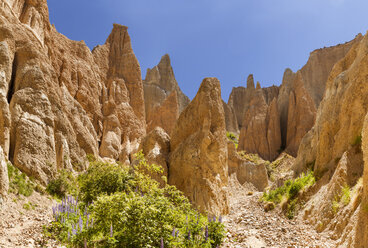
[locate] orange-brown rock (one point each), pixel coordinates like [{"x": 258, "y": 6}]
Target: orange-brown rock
[
  {"x": 300, "y": 91},
  {"x": 164, "y": 115},
  {"x": 156, "y": 148},
  {"x": 59, "y": 100},
  {"x": 260, "y": 131},
  {"x": 159, "y": 85},
  {"x": 230, "y": 119},
  {"x": 247, "y": 171},
  {"x": 4, "y": 179},
  {"x": 334, "y": 146},
  {"x": 301, "y": 115},
  {"x": 199, "y": 158}
]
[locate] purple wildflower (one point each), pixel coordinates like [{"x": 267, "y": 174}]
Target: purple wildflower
[
  {"x": 214, "y": 218},
  {"x": 206, "y": 233},
  {"x": 80, "y": 223},
  {"x": 189, "y": 235},
  {"x": 177, "y": 233},
  {"x": 111, "y": 232},
  {"x": 173, "y": 232},
  {"x": 220, "y": 219},
  {"x": 162, "y": 243}
]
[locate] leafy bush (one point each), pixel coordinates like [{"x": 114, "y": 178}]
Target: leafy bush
[
  {"x": 62, "y": 185},
  {"x": 121, "y": 206},
  {"x": 342, "y": 198},
  {"x": 255, "y": 158},
  {"x": 19, "y": 183},
  {"x": 289, "y": 192},
  {"x": 233, "y": 138}
]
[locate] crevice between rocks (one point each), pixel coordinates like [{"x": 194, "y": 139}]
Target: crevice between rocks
[{"x": 12, "y": 80}]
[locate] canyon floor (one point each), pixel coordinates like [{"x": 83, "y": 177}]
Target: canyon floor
[{"x": 248, "y": 225}]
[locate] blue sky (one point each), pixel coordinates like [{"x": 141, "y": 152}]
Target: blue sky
[{"x": 227, "y": 39}]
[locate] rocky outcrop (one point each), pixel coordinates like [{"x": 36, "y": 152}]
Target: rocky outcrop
[
  {"x": 164, "y": 115},
  {"x": 4, "y": 179},
  {"x": 302, "y": 92},
  {"x": 156, "y": 148},
  {"x": 247, "y": 171},
  {"x": 58, "y": 100},
  {"x": 333, "y": 148},
  {"x": 199, "y": 158},
  {"x": 361, "y": 240},
  {"x": 160, "y": 83},
  {"x": 301, "y": 115},
  {"x": 260, "y": 131},
  {"x": 230, "y": 118}
]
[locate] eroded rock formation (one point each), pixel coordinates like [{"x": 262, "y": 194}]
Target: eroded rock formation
[
  {"x": 260, "y": 131},
  {"x": 156, "y": 148},
  {"x": 60, "y": 101},
  {"x": 199, "y": 156},
  {"x": 164, "y": 100},
  {"x": 333, "y": 147}
]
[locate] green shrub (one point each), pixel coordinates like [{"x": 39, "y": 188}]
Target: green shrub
[
  {"x": 357, "y": 140},
  {"x": 345, "y": 195},
  {"x": 129, "y": 209},
  {"x": 104, "y": 178},
  {"x": 19, "y": 183},
  {"x": 62, "y": 185},
  {"x": 233, "y": 138},
  {"x": 290, "y": 191}
]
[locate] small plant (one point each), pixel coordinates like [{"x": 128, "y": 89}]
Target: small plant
[
  {"x": 357, "y": 140},
  {"x": 289, "y": 193},
  {"x": 342, "y": 198},
  {"x": 252, "y": 157},
  {"x": 345, "y": 195},
  {"x": 29, "y": 206},
  {"x": 233, "y": 138},
  {"x": 62, "y": 185},
  {"x": 19, "y": 183}
]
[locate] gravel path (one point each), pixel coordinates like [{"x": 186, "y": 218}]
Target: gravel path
[
  {"x": 22, "y": 220},
  {"x": 249, "y": 225}
]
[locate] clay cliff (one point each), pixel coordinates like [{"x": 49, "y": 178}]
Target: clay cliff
[
  {"x": 59, "y": 100},
  {"x": 163, "y": 99},
  {"x": 336, "y": 151},
  {"x": 199, "y": 155},
  {"x": 297, "y": 99}
]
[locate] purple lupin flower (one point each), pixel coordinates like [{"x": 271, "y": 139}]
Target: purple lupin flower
[
  {"x": 111, "y": 231},
  {"x": 87, "y": 221},
  {"x": 206, "y": 233},
  {"x": 214, "y": 218},
  {"x": 177, "y": 233},
  {"x": 173, "y": 232},
  {"x": 189, "y": 235},
  {"x": 162, "y": 243},
  {"x": 80, "y": 223}
]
